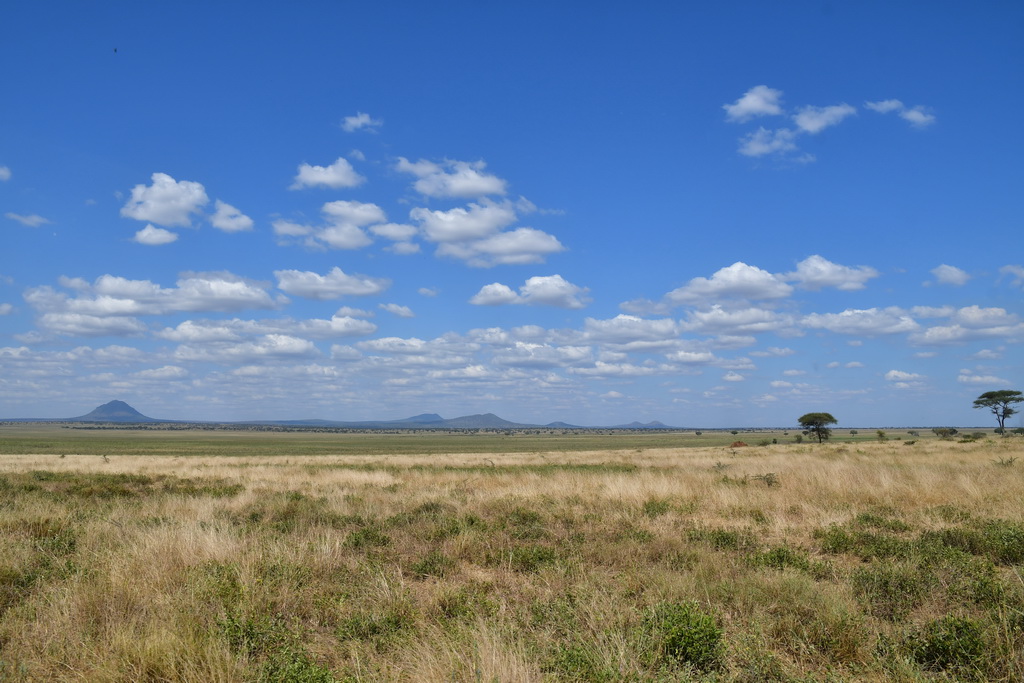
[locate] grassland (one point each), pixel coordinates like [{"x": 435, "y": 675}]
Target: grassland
[{"x": 226, "y": 556}]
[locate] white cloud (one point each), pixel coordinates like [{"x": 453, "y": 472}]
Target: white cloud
[
  {"x": 229, "y": 219},
  {"x": 950, "y": 275},
  {"x": 154, "y": 237},
  {"x": 813, "y": 120},
  {"x": 32, "y": 220},
  {"x": 738, "y": 281},
  {"x": 5, "y": 173},
  {"x": 529, "y": 355},
  {"x": 917, "y": 116},
  {"x": 815, "y": 272},
  {"x": 973, "y": 323},
  {"x": 461, "y": 179},
  {"x": 773, "y": 352},
  {"x": 854, "y": 364},
  {"x": 361, "y": 121},
  {"x": 901, "y": 376},
  {"x": 758, "y": 101},
  {"x": 625, "y": 329},
  {"x": 969, "y": 377},
  {"x": 352, "y": 212},
  {"x": 546, "y": 290},
  {"x": 267, "y": 348},
  {"x": 868, "y": 322},
  {"x": 283, "y": 228},
  {"x": 86, "y": 325},
  {"x": 337, "y": 175},
  {"x": 166, "y": 202},
  {"x": 6, "y": 309},
  {"x": 752, "y": 320},
  {"x": 1014, "y": 271},
  {"x": 397, "y": 232},
  {"x": 764, "y": 141},
  {"x": 461, "y": 224},
  {"x": 399, "y": 310},
  {"x": 884, "y": 106},
  {"x": 515, "y": 247},
  {"x": 334, "y": 285},
  {"x": 733, "y": 377},
  {"x": 111, "y": 296}
]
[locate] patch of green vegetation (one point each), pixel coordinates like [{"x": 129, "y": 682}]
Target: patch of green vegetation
[
  {"x": 682, "y": 634},
  {"x": 724, "y": 539},
  {"x": 267, "y": 639},
  {"x": 890, "y": 591},
  {"x": 952, "y": 644}
]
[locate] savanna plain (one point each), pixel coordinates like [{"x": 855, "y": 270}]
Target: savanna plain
[{"x": 201, "y": 555}]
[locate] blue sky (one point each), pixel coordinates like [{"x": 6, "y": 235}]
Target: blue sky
[{"x": 714, "y": 214}]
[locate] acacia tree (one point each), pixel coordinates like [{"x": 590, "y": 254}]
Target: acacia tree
[
  {"x": 818, "y": 423},
  {"x": 1000, "y": 402}
]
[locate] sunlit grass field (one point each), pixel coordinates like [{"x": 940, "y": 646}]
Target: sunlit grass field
[{"x": 246, "y": 556}]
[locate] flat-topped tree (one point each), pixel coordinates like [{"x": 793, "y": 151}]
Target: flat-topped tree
[
  {"x": 1000, "y": 402},
  {"x": 818, "y": 423}
]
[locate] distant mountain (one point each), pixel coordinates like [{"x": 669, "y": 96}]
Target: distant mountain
[
  {"x": 115, "y": 411},
  {"x": 638, "y": 425},
  {"x": 119, "y": 411}
]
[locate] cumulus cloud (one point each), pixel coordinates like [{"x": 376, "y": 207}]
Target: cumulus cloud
[
  {"x": 361, "y": 121},
  {"x": 229, "y": 219},
  {"x": 950, "y": 275},
  {"x": 337, "y": 175},
  {"x": 545, "y": 290},
  {"x": 5, "y": 173},
  {"x": 334, "y": 285},
  {"x": 973, "y": 323},
  {"x": 1015, "y": 272},
  {"x": 6, "y": 309},
  {"x": 343, "y": 229},
  {"x": 918, "y": 116},
  {"x": 758, "y": 101},
  {"x": 751, "y": 320},
  {"x": 267, "y": 348},
  {"x": 625, "y": 329},
  {"x": 738, "y": 281},
  {"x": 733, "y": 377},
  {"x": 87, "y": 325},
  {"x": 901, "y": 376},
  {"x": 153, "y": 237},
  {"x": 460, "y": 224},
  {"x": 815, "y": 272},
  {"x": 398, "y": 309},
  {"x": 111, "y": 296},
  {"x": 867, "y": 322},
  {"x": 967, "y": 376},
  {"x": 31, "y": 220},
  {"x": 773, "y": 352},
  {"x": 813, "y": 120},
  {"x": 763, "y": 141},
  {"x": 515, "y": 247},
  {"x": 531, "y": 355},
  {"x": 452, "y": 178},
  {"x": 166, "y": 201}
]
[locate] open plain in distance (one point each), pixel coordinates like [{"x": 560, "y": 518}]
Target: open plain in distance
[{"x": 202, "y": 555}]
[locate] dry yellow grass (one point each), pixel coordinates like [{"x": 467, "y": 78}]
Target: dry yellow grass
[{"x": 509, "y": 566}]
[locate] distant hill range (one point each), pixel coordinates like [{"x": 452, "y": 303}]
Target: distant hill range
[{"x": 121, "y": 412}]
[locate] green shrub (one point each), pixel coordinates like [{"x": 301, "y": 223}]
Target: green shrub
[
  {"x": 655, "y": 507},
  {"x": 951, "y": 643},
  {"x": 435, "y": 564},
  {"x": 683, "y": 634},
  {"x": 890, "y": 591}
]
